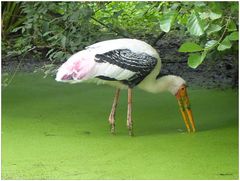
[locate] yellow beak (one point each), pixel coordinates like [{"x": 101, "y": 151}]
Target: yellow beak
[{"x": 185, "y": 108}]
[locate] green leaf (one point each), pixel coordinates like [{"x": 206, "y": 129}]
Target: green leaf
[
  {"x": 204, "y": 15},
  {"x": 16, "y": 29},
  {"x": 50, "y": 51},
  {"x": 195, "y": 59},
  {"x": 213, "y": 28},
  {"x": 86, "y": 12},
  {"x": 225, "y": 44},
  {"x": 206, "y": 27},
  {"x": 190, "y": 47},
  {"x": 183, "y": 19},
  {"x": 58, "y": 55},
  {"x": 216, "y": 7},
  {"x": 175, "y": 6},
  {"x": 195, "y": 25},
  {"x": 63, "y": 41},
  {"x": 210, "y": 44},
  {"x": 140, "y": 5},
  {"x": 232, "y": 26},
  {"x": 45, "y": 26},
  {"x": 199, "y": 4},
  {"x": 118, "y": 13},
  {"x": 47, "y": 33},
  {"x": 233, "y": 36},
  {"x": 74, "y": 16},
  {"x": 214, "y": 16},
  {"x": 166, "y": 20}
]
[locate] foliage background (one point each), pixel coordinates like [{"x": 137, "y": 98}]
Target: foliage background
[{"x": 55, "y": 30}]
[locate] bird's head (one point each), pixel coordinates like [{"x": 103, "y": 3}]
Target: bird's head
[{"x": 177, "y": 86}]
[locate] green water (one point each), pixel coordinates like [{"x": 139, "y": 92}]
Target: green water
[{"x": 52, "y": 130}]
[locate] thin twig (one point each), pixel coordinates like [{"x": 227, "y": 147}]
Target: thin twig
[
  {"x": 228, "y": 20},
  {"x": 159, "y": 37},
  {"x": 103, "y": 24}
]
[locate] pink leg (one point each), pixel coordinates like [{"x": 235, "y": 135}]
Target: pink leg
[
  {"x": 129, "y": 113},
  {"x": 111, "y": 118}
]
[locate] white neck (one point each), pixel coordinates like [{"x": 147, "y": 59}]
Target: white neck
[{"x": 169, "y": 83}]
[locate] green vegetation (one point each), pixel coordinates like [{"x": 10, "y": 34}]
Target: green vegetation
[
  {"x": 55, "y": 30},
  {"x": 60, "y": 131}
]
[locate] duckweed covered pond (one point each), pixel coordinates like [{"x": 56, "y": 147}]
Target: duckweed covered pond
[{"x": 52, "y": 130}]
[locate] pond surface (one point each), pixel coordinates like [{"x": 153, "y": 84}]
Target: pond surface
[{"x": 53, "y": 130}]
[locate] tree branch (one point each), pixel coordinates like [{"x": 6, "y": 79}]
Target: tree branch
[
  {"x": 115, "y": 31},
  {"x": 158, "y": 38}
]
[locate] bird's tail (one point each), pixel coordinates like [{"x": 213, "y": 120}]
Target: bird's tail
[{"x": 76, "y": 68}]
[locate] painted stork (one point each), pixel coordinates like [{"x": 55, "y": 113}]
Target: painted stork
[{"x": 125, "y": 64}]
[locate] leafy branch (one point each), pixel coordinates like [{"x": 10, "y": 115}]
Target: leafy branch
[{"x": 223, "y": 43}]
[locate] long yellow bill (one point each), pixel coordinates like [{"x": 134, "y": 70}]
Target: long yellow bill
[{"x": 185, "y": 109}]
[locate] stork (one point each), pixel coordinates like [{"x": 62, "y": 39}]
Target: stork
[{"x": 125, "y": 64}]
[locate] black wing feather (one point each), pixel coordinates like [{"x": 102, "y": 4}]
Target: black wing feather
[{"x": 141, "y": 63}]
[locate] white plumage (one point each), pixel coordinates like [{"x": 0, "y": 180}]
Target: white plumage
[
  {"x": 91, "y": 69},
  {"x": 123, "y": 63}
]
